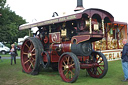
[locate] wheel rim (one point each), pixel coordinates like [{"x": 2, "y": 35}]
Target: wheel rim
[
  {"x": 28, "y": 57},
  {"x": 100, "y": 65},
  {"x": 68, "y": 69}
]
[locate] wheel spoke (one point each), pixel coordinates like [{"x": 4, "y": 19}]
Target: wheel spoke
[
  {"x": 32, "y": 50},
  {"x": 26, "y": 61},
  {"x": 97, "y": 71},
  {"x": 100, "y": 69},
  {"x": 29, "y": 66},
  {"x": 27, "y": 46},
  {"x": 25, "y": 53},
  {"x": 66, "y": 73},
  {"x": 72, "y": 73},
  {"x": 30, "y": 47},
  {"x": 33, "y": 59},
  {"x": 97, "y": 59},
  {"x": 33, "y": 54},
  {"x": 101, "y": 65},
  {"x": 67, "y": 61},
  {"x": 101, "y": 61},
  {"x": 64, "y": 63},
  {"x": 32, "y": 63},
  {"x": 72, "y": 65}
]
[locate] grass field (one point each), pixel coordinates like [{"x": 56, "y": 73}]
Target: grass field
[{"x": 13, "y": 75}]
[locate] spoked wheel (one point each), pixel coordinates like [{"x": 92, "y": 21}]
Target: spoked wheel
[
  {"x": 30, "y": 56},
  {"x": 45, "y": 64},
  {"x": 69, "y": 67},
  {"x": 100, "y": 65}
]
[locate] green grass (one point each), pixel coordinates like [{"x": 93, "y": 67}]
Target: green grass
[
  {"x": 13, "y": 75},
  {"x": 8, "y": 55}
]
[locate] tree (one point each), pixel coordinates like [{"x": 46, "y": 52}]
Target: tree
[
  {"x": 9, "y": 24},
  {"x": 2, "y": 3}
]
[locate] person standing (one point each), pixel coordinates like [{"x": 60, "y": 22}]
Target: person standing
[
  {"x": 15, "y": 50},
  {"x": 13, "y": 54},
  {"x": 124, "y": 58}
]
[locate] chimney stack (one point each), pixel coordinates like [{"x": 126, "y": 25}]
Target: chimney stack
[{"x": 79, "y": 5}]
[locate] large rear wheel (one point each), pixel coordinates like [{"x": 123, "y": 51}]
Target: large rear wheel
[
  {"x": 100, "y": 65},
  {"x": 30, "y": 56},
  {"x": 69, "y": 67}
]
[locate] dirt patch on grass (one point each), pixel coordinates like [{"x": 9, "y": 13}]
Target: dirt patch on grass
[{"x": 18, "y": 82}]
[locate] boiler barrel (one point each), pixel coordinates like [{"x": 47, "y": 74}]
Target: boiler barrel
[
  {"x": 63, "y": 47},
  {"x": 81, "y": 49}
]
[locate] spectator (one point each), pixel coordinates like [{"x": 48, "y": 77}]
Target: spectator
[
  {"x": 124, "y": 58},
  {"x": 13, "y": 54},
  {"x": 15, "y": 50}
]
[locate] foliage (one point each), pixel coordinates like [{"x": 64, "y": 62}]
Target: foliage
[
  {"x": 9, "y": 24},
  {"x": 2, "y": 3}
]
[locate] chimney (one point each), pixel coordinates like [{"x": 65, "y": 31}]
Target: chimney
[{"x": 79, "y": 5}]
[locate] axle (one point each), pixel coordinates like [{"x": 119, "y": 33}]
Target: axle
[{"x": 89, "y": 65}]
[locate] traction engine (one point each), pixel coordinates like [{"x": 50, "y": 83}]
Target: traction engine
[{"x": 65, "y": 44}]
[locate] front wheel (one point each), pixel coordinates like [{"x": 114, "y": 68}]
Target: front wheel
[{"x": 69, "y": 67}]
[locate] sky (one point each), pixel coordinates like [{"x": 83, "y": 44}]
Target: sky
[{"x": 39, "y": 10}]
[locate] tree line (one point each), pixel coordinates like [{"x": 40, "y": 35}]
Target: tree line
[{"x": 9, "y": 24}]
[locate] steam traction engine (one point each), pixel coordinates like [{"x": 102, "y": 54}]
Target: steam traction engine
[{"x": 65, "y": 44}]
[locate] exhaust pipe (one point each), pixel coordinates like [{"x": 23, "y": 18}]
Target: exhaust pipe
[{"x": 79, "y": 5}]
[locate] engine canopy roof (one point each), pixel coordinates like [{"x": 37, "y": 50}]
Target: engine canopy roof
[{"x": 90, "y": 12}]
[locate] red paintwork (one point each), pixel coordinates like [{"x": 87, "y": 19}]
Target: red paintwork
[
  {"x": 57, "y": 47},
  {"x": 80, "y": 38},
  {"x": 54, "y": 57},
  {"x": 63, "y": 47},
  {"x": 66, "y": 46},
  {"x": 46, "y": 39},
  {"x": 54, "y": 37}
]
